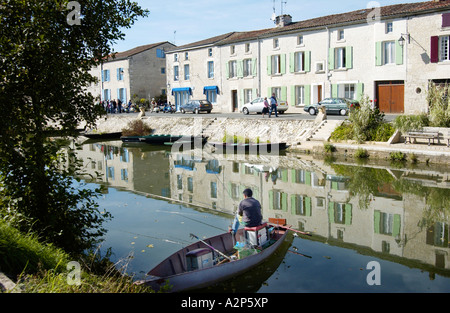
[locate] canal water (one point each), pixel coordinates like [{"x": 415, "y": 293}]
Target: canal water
[{"x": 375, "y": 228}]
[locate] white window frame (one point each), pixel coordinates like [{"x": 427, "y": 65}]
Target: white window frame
[
  {"x": 232, "y": 69},
  {"x": 389, "y": 27},
  {"x": 300, "y": 40},
  {"x": 248, "y": 94},
  {"x": 247, "y": 67},
  {"x": 276, "y": 64},
  {"x": 276, "y": 43},
  {"x": 175, "y": 57},
  {"x": 339, "y": 58},
  {"x": 388, "y": 52},
  {"x": 340, "y": 35},
  {"x": 233, "y": 50},
  {"x": 300, "y": 95},
  {"x": 247, "y": 48},
  {"x": 187, "y": 72},
  {"x": 299, "y": 61},
  {"x": 176, "y": 73},
  {"x": 210, "y": 52}
]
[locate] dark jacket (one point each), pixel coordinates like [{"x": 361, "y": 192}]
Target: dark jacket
[{"x": 250, "y": 209}]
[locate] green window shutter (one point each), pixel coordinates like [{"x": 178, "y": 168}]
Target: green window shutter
[
  {"x": 227, "y": 69},
  {"x": 269, "y": 65},
  {"x": 376, "y": 221},
  {"x": 348, "y": 214},
  {"x": 334, "y": 185},
  {"x": 284, "y": 205},
  {"x": 283, "y": 93},
  {"x": 396, "y": 228},
  {"x": 398, "y": 53},
  {"x": 359, "y": 91},
  {"x": 283, "y": 63},
  {"x": 293, "y": 98},
  {"x": 308, "y": 178},
  {"x": 271, "y": 199},
  {"x": 240, "y": 68},
  {"x": 334, "y": 90},
  {"x": 293, "y": 204},
  {"x": 331, "y": 212},
  {"x": 241, "y": 98},
  {"x": 254, "y": 95},
  {"x": 292, "y": 62},
  {"x": 331, "y": 59},
  {"x": 269, "y": 93},
  {"x": 378, "y": 53},
  {"x": 349, "y": 57},
  {"x": 284, "y": 175},
  {"x": 255, "y": 67},
  {"x": 308, "y": 206},
  {"x": 307, "y": 94},
  {"x": 307, "y": 61}
]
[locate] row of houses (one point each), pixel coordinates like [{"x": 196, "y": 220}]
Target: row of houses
[{"x": 388, "y": 53}]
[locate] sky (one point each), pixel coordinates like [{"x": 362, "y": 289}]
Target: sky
[{"x": 186, "y": 21}]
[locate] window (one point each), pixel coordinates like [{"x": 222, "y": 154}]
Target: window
[
  {"x": 247, "y": 47},
  {"x": 186, "y": 72},
  {"x": 163, "y": 70},
  {"x": 210, "y": 52},
  {"x": 247, "y": 95},
  {"x": 211, "y": 96},
  {"x": 389, "y": 52},
  {"x": 232, "y": 50},
  {"x": 444, "y": 54},
  {"x": 190, "y": 184},
  {"x": 299, "y": 40},
  {"x": 299, "y": 61},
  {"x": 160, "y": 54},
  {"x": 175, "y": 73},
  {"x": 389, "y": 27},
  {"x": 299, "y": 96},
  {"x": 340, "y": 58},
  {"x": 186, "y": 55},
  {"x": 248, "y": 67},
  {"x": 122, "y": 94},
  {"x": 210, "y": 69},
  {"x": 179, "y": 182},
  {"x": 320, "y": 66},
  {"x": 277, "y": 92},
  {"x": 340, "y": 34},
  {"x": 446, "y": 20},
  {"x": 107, "y": 94},
  {"x": 105, "y": 75},
  {"x": 276, "y": 43},
  {"x": 120, "y": 74},
  {"x": 175, "y": 57},
  {"x": 276, "y": 64},
  {"x": 232, "y": 69}
]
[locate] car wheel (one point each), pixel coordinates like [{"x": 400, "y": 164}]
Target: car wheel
[
  {"x": 183, "y": 111},
  {"x": 312, "y": 111},
  {"x": 245, "y": 111},
  {"x": 208, "y": 111},
  {"x": 281, "y": 112},
  {"x": 196, "y": 111},
  {"x": 343, "y": 112}
]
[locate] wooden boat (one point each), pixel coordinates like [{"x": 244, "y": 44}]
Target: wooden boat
[
  {"x": 192, "y": 267},
  {"x": 248, "y": 147}
]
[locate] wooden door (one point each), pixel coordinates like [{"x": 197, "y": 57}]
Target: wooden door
[
  {"x": 319, "y": 93},
  {"x": 234, "y": 100},
  {"x": 391, "y": 98}
]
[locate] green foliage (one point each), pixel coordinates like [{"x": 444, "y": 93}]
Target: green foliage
[
  {"x": 227, "y": 138},
  {"x": 365, "y": 121},
  {"x": 406, "y": 123},
  {"x": 439, "y": 100},
  {"x": 137, "y": 128},
  {"x": 45, "y": 68},
  {"x": 361, "y": 153},
  {"x": 329, "y": 148},
  {"x": 397, "y": 156},
  {"x": 343, "y": 132},
  {"x": 383, "y": 132}
]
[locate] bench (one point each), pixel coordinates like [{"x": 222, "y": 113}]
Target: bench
[{"x": 430, "y": 135}]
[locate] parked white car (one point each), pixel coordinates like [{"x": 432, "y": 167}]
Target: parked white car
[{"x": 257, "y": 105}]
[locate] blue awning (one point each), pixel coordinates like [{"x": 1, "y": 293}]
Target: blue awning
[
  {"x": 185, "y": 89},
  {"x": 206, "y": 88}
]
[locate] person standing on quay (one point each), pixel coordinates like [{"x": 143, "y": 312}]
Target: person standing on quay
[{"x": 273, "y": 105}]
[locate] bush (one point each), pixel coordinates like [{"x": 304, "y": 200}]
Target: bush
[
  {"x": 361, "y": 153},
  {"x": 137, "y": 128},
  {"x": 365, "y": 121},
  {"x": 406, "y": 123},
  {"x": 383, "y": 132},
  {"x": 397, "y": 156},
  {"x": 439, "y": 100},
  {"x": 329, "y": 148},
  {"x": 342, "y": 132}
]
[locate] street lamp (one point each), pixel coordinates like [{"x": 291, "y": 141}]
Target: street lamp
[{"x": 402, "y": 39}]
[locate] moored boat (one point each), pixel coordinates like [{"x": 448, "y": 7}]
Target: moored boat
[
  {"x": 213, "y": 260},
  {"x": 161, "y": 139},
  {"x": 98, "y": 136},
  {"x": 248, "y": 147}
]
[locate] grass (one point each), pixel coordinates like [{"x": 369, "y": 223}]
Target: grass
[
  {"x": 43, "y": 268},
  {"x": 136, "y": 128}
]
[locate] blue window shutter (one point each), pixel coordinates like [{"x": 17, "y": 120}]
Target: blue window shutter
[
  {"x": 103, "y": 76},
  {"x": 107, "y": 75}
]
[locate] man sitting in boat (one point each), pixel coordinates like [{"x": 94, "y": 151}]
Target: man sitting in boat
[{"x": 249, "y": 212}]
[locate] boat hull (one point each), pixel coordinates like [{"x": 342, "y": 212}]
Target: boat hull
[
  {"x": 160, "y": 139},
  {"x": 196, "y": 279},
  {"x": 248, "y": 147}
]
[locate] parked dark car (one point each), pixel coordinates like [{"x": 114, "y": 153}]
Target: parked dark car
[
  {"x": 333, "y": 106},
  {"x": 196, "y": 106}
]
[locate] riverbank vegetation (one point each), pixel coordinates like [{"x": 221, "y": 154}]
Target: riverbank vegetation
[{"x": 45, "y": 70}]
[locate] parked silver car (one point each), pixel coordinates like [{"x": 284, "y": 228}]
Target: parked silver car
[
  {"x": 196, "y": 106},
  {"x": 339, "y": 106},
  {"x": 257, "y": 105}
]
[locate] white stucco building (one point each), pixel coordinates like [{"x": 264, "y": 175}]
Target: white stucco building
[
  {"x": 140, "y": 71},
  {"x": 388, "y": 53}
]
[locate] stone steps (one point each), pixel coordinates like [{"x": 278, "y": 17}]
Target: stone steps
[{"x": 323, "y": 131}]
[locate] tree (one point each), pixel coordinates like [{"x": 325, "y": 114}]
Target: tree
[{"x": 47, "y": 49}]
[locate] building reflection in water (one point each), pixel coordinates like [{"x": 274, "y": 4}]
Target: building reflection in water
[{"x": 397, "y": 214}]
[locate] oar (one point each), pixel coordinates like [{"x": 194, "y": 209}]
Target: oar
[
  {"x": 211, "y": 247},
  {"x": 294, "y": 230}
]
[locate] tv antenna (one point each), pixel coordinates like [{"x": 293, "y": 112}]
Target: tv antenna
[
  {"x": 283, "y": 2},
  {"x": 274, "y": 14}
]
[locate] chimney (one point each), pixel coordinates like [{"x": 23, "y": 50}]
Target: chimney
[{"x": 283, "y": 20}]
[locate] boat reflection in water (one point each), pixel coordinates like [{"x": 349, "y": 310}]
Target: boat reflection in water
[{"x": 391, "y": 213}]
